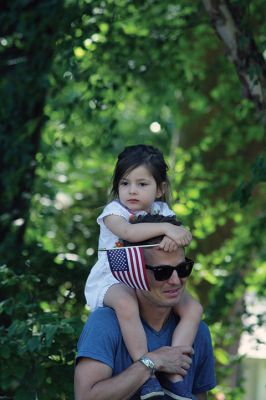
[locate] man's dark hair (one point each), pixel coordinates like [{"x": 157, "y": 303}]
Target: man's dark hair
[{"x": 151, "y": 218}]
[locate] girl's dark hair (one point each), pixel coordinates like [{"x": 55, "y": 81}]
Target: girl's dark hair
[{"x": 134, "y": 156}]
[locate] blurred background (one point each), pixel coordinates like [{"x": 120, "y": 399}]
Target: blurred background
[{"x": 82, "y": 79}]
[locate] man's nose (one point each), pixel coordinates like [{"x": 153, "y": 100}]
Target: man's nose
[{"x": 174, "y": 278}]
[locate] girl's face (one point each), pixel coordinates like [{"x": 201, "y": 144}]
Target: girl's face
[{"x": 138, "y": 189}]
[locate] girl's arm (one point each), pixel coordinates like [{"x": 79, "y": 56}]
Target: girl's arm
[
  {"x": 143, "y": 231},
  {"x": 190, "y": 312}
]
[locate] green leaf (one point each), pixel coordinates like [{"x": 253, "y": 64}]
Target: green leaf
[
  {"x": 33, "y": 344},
  {"x": 222, "y": 356}
]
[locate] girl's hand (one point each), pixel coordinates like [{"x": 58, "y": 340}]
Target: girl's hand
[
  {"x": 178, "y": 234},
  {"x": 168, "y": 244}
]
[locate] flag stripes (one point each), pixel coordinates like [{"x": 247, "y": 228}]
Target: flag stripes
[{"x": 128, "y": 267}]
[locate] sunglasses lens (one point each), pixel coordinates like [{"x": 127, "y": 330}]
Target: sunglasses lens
[
  {"x": 185, "y": 269},
  {"x": 163, "y": 274}
]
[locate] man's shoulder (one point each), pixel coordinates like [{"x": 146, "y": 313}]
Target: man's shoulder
[
  {"x": 203, "y": 331},
  {"x": 100, "y": 338},
  {"x": 203, "y": 327},
  {"x": 103, "y": 320},
  {"x": 203, "y": 341},
  {"x": 101, "y": 326},
  {"x": 103, "y": 314}
]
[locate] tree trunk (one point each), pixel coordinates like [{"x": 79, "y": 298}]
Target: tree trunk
[
  {"x": 27, "y": 59},
  {"x": 228, "y": 22}
]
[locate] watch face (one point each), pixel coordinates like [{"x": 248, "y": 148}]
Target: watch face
[{"x": 148, "y": 363}]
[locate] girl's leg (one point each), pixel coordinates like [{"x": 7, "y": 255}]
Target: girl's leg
[
  {"x": 124, "y": 301},
  {"x": 190, "y": 312}
]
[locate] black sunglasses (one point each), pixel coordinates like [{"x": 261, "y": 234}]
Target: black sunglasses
[{"x": 164, "y": 272}]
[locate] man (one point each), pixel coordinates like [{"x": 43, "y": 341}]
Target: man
[{"x": 104, "y": 369}]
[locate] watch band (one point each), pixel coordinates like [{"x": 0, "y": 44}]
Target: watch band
[{"x": 148, "y": 364}]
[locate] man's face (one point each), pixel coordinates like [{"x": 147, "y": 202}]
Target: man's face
[{"x": 164, "y": 293}]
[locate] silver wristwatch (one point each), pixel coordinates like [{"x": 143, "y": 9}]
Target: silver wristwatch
[{"x": 148, "y": 363}]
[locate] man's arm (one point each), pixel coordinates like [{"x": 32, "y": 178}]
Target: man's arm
[{"x": 94, "y": 381}]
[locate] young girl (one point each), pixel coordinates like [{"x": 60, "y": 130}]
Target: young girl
[{"x": 140, "y": 186}]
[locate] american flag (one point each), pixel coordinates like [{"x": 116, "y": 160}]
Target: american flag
[{"x": 128, "y": 267}]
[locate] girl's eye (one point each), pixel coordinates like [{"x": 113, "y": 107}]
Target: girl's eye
[
  {"x": 143, "y": 184},
  {"x": 123, "y": 183}
]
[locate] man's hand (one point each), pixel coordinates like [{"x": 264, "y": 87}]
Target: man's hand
[{"x": 172, "y": 360}]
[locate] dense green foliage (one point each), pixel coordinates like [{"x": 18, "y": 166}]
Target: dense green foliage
[{"x": 80, "y": 80}]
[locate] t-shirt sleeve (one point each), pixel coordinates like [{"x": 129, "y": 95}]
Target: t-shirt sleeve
[
  {"x": 164, "y": 209},
  {"x": 96, "y": 341},
  {"x": 205, "y": 373},
  {"x": 113, "y": 208}
]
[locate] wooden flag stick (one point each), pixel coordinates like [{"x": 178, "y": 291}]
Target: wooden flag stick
[{"x": 127, "y": 247}]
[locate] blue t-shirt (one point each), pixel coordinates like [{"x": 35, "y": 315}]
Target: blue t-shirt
[{"x": 101, "y": 340}]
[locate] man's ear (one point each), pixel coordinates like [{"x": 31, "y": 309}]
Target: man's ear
[{"x": 161, "y": 190}]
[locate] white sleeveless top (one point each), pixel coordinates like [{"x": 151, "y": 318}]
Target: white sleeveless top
[{"x": 100, "y": 277}]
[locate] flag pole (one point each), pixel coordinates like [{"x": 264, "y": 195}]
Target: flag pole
[{"x": 128, "y": 247}]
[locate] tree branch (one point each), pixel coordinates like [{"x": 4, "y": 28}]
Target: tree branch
[{"x": 242, "y": 50}]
